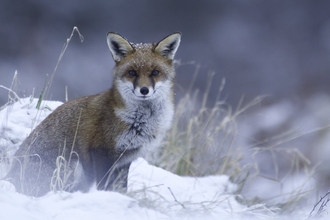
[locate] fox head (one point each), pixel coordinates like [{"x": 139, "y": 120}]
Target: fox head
[{"x": 143, "y": 71}]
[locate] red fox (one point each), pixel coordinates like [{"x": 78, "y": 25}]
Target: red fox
[{"x": 94, "y": 139}]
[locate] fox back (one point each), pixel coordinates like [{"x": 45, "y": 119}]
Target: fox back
[{"x": 94, "y": 139}]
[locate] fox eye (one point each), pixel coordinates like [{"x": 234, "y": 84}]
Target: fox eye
[
  {"x": 132, "y": 73},
  {"x": 155, "y": 72}
]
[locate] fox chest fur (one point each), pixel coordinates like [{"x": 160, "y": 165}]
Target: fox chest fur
[{"x": 146, "y": 125}]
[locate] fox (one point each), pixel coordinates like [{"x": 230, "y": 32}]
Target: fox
[{"x": 94, "y": 139}]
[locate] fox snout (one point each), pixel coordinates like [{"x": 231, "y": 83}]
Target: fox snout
[{"x": 144, "y": 92}]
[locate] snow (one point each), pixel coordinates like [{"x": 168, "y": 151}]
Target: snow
[
  {"x": 19, "y": 119},
  {"x": 153, "y": 193}
]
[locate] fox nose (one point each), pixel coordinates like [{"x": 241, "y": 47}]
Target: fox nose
[{"x": 144, "y": 90}]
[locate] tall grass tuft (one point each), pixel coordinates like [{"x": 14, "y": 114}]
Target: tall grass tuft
[
  {"x": 202, "y": 139},
  {"x": 41, "y": 104}
]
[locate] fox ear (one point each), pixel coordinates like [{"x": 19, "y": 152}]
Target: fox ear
[
  {"x": 118, "y": 46},
  {"x": 168, "y": 46}
]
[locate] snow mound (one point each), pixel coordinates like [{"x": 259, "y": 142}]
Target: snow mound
[{"x": 19, "y": 119}]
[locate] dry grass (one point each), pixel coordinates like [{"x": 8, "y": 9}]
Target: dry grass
[{"x": 202, "y": 140}]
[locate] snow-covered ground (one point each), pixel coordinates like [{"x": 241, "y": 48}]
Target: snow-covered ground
[{"x": 153, "y": 193}]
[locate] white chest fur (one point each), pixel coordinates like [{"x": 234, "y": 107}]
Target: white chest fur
[{"x": 147, "y": 122}]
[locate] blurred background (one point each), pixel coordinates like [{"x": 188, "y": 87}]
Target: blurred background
[{"x": 280, "y": 49}]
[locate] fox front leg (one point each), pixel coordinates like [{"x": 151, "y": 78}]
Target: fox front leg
[{"x": 108, "y": 175}]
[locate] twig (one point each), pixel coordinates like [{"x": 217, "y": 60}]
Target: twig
[
  {"x": 9, "y": 90},
  {"x": 322, "y": 206},
  {"x": 175, "y": 198},
  {"x": 50, "y": 80}
]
